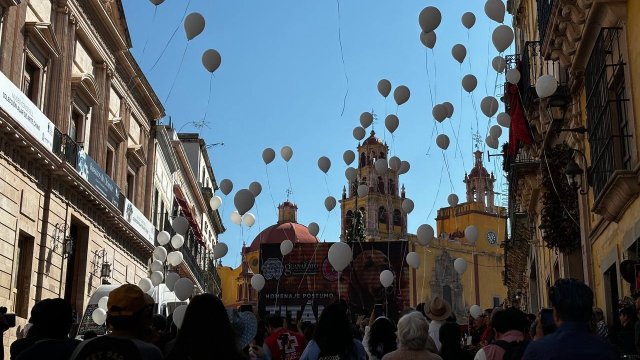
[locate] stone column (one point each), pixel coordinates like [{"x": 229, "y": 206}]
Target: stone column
[
  {"x": 99, "y": 117},
  {"x": 151, "y": 163}
]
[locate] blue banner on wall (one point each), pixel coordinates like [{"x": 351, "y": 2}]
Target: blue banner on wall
[{"x": 93, "y": 173}]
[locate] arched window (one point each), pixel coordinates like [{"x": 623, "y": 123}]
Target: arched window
[
  {"x": 354, "y": 188},
  {"x": 392, "y": 187},
  {"x": 382, "y": 216},
  {"x": 348, "y": 219},
  {"x": 380, "y": 185},
  {"x": 363, "y": 159},
  {"x": 382, "y": 155},
  {"x": 397, "y": 218}
]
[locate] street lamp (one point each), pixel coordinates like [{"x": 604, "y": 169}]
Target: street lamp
[
  {"x": 574, "y": 173},
  {"x": 68, "y": 247},
  {"x": 105, "y": 272}
]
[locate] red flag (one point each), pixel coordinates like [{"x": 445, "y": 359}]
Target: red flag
[{"x": 519, "y": 130}]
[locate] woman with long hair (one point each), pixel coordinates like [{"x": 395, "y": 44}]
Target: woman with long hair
[
  {"x": 380, "y": 338},
  {"x": 194, "y": 342},
  {"x": 451, "y": 343},
  {"x": 333, "y": 337}
]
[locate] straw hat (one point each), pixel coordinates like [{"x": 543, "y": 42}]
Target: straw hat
[{"x": 438, "y": 309}]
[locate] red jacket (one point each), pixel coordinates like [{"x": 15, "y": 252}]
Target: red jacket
[{"x": 285, "y": 344}]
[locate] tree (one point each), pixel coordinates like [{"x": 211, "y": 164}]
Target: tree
[{"x": 355, "y": 232}]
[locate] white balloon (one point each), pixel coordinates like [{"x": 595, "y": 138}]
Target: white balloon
[
  {"x": 211, "y": 60},
  {"x": 340, "y": 256},
  {"x": 395, "y": 163},
  {"x": 170, "y": 280},
  {"x": 381, "y": 166},
  {"x": 504, "y": 119},
  {"x": 163, "y": 238},
  {"x": 160, "y": 253},
  {"x": 145, "y": 284},
  {"x": 468, "y": 20},
  {"x": 175, "y": 258},
  {"x": 103, "y": 303},
  {"x": 546, "y": 86},
  {"x": 178, "y": 315},
  {"x": 489, "y": 106},
  {"x": 156, "y": 278},
  {"x": 404, "y": 167},
  {"x": 424, "y": 234},
  {"x": 386, "y": 278},
  {"x": 244, "y": 201},
  {"x": 226, "y": 186},
  {"x": 442, "y": 141},
  {"x": 366, "y": 119},
  {"x": 249, "y": 219},
  {"x": 452, "y": 199},
  {"x": 177, "y": 241},
  {"x": 401, "y": 94},
  {"x": 330, "y": 203},
  {"x": 268, "y": 155},
  {"x": 183, "y": 289},
  {"x": 156, "y": 2},
  {"x": 359, "y": 133},
  {"x": 156, "y": 265},
  {"x": 314, "y": 229},
  {"x": 351, "y": 174},
  {"x": 469, "y": 83},
  {"x": 180, "y": 224},
  {"x": 449, "y": 107},
  {"x": 459, "y": 52},
  {"x": 99, "y": 316},
  {"x": 460, "y": 265},
  {"x": 407, "y": 205},
  {"x": 220, "y": 250},
  {"x": 502, "y": 37},
  {"x": 439, "y": 112},
  {"x": 475, "y": 311},
  {"x": 363, "y": 190},
  {"x": 384, "y": 87},
  {"x": 428, "y": 39},
  {"x": 495, "y": 131},
  {"x": 348, "y": 157},
  {"x": 324, "y": 164},
  {"x": 429, "y": 18},
  {"x": 257, "y": 282},
  {"x": 513, "y": 76},
  {"x": 286, "y": 247},
  {"x": 236, "y": 218},
  {"x": 495, "y": 10},
  {"x": 499, "y": 64},
  {"x": 391, "y": 122},
  {"x": 286, "y": 152},
  {"x": 492, "y": 142},
  {"x": 413, "y": 259},
  {"x": 215, "y": 202},
  {"x": 471, "y": 234},
  {"x": 193, "y": 25}
]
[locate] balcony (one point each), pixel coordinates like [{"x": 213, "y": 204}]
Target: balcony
[
  {"x": 65, "y": 148},
  {"x": 544, "y": 14}
]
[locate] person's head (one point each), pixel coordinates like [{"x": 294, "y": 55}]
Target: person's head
[
  {"x": 382, "y": 337},
  {"x": 480, "y": 321},
  {"x": 598, "y": 314},
  {"x": 508, "y": 320},
  {"x": 126, "y": 309},
  {"x": 205, "y": 311},
  {"x": 627, "y": 315},
  {"x": 158, "y": 322},
  {"x": 450, "y": 335},
  {"x": 438, "y": 309},
  {"x": 413, "y": 331},
  {"x": 571, "y": 301},
  {"x": 52, "y": 318},
  {"x": 274, "y": 323},
  {"x": 333, "y": 331}
]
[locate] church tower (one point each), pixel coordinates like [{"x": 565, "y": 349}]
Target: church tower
[
  {"x": 381, "y": 206},
  {"x": 480, "y": 185}
]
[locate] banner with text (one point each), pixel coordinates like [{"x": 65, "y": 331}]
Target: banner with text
[
  {"x": 93, "y": 173},
  {"x": 139, "y": 222}
]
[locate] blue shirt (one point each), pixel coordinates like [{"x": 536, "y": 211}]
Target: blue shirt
[
  {"x": 571, "y": 341},
  {"x": 312, "y": 351}
]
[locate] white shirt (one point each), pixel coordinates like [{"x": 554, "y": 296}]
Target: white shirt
[
  {"x": 434, "y": 332},
  {"x": 480, "y": 355}
]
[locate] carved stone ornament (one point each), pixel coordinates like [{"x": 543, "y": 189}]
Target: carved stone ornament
[{"x": 621, "y": 189}]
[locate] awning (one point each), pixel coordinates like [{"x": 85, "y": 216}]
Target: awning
[{"x": 186, "y": 212}]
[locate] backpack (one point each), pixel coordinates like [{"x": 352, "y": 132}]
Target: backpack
[{"x": 513, "y": 350}]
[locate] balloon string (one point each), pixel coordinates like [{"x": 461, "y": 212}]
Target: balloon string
[
  {"x": 177, "y": 74},
  {"x": 435, "y": 74},
  {"x": 344, "y": 66},
  {"x": 289, "y": 177},
  {"x": 326, "y": 223},
  {"x": 146, "y": 42},
  {"x": 488, "y": 56},
  {"x": 184, "y": 15},
  {"x": 327, "y": 183},
  {"x": 426, "y": 65},
  {"x": 435, "y": 199},
  {"x": 206, "y": 109},
  {"x": 460, "y": 127}
]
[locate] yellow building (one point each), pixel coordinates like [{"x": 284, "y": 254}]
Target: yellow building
[
  {"x": 481, "y": 283},
  {"x": 591, "y": 49}
]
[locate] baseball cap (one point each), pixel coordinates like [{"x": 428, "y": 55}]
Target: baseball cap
[{"x": 126, "y": 300}]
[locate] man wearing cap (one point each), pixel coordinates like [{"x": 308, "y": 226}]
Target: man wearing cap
[
  {"x": 438, "y": 311},
  {"x": 126, "y": 310}
]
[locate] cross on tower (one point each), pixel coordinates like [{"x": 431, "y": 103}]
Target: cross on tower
[
  {"x": 375, "y": 119},
  {"x": 477, "y": 140},
  {"x": 289, "y": 192}
]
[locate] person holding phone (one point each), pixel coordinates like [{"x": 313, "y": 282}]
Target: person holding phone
[
  {"x": 545, "y": 324},
  {"x": 380, "y": 337}
]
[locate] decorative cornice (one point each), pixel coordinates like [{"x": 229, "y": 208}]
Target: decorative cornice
[
  {"x": 621, "y": 189},
  {"x": 44, "y": 36},
  {"x": 85, "y": 85}
]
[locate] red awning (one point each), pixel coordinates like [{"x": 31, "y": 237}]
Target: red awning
[{"x": 186, "y": 212}]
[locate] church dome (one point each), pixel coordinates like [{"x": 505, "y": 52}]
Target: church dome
[{"x": 372, "y": 139}]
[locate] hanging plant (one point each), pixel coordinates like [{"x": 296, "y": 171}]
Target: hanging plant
[{"x": 560, "y": 202}]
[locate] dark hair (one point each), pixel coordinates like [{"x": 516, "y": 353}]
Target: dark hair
[
  {"x": 204, "y": 311},
  {"x": 52, "y": 318},
  {"x": 509, "y": 319},
  {"x": 630, "y": 313},
  {"x": 382, "y": 337},
  {"x": 450, "y": 338},
  {"x": 309, "y": 332},
  {"x": 333, "y": 332},
  {"x": 275, "y": 321},
  {"x": 572, "y": 300},
  {"x": 420, "y": 308}
]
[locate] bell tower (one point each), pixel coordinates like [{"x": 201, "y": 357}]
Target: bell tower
[
  {"x": 381, "y": 203},
  {"x": 480, "y": 185}
]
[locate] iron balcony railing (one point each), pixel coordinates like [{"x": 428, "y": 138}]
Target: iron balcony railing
[
  {"x": 65, "y": 148},
  {"x": 544, "y": 14}
]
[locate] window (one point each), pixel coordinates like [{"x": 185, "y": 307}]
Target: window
[
  {"x": 397, "y": 218},
  {"x": 496, "y": 301},
  {"x": 382, "y": 215},
  {"x": 156, "y": 208},
  {"x": 131, "y": 185},
  {"x": 22, "y": 280},
  {"x": 380, "y": 185},
  {"x": 76, "y": 126},
  {"x": 109, "y": 165},
  {"x": 392, "y": 187},
  {"x": 607, "y": 113},
  {"x": 31, "y": 82}
]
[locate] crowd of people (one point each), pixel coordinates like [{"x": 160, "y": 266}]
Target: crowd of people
[{"x": 570, "y": 329}]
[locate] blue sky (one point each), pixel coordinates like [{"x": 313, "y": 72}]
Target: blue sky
[{"x": 282, "y": 82}]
